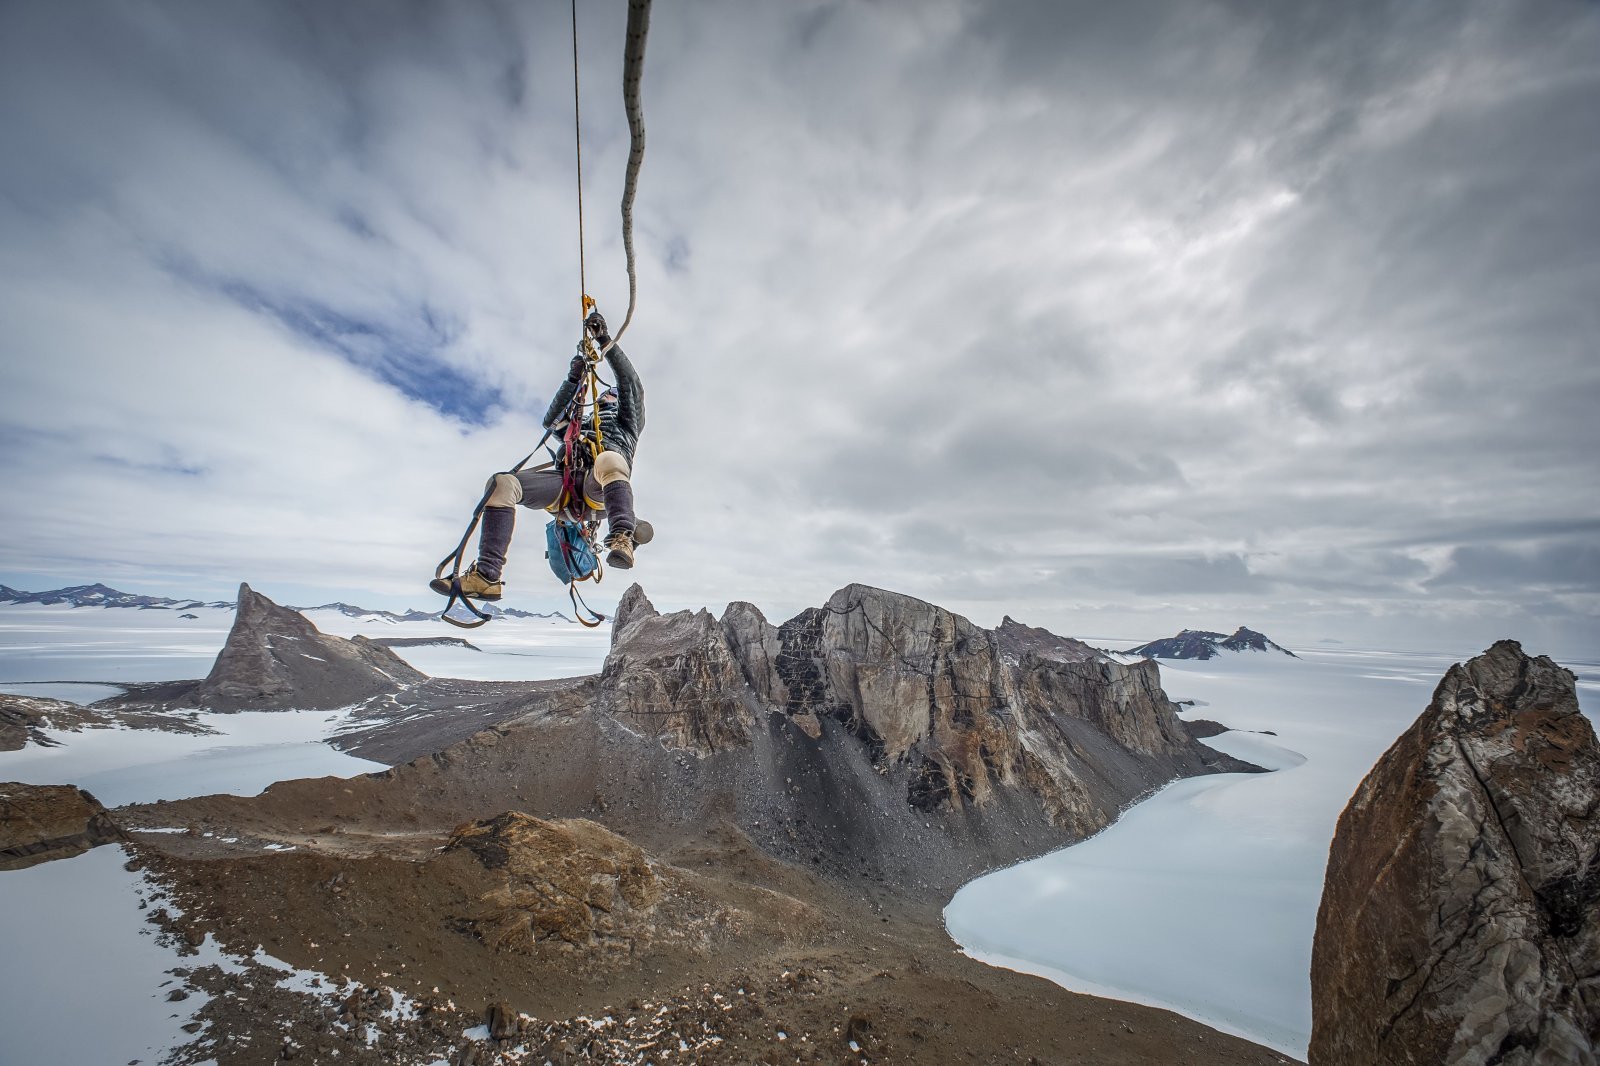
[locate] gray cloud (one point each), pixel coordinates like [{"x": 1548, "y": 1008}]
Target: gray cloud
[{"x": 1098, "y": 315}]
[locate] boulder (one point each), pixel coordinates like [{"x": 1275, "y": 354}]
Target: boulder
[
  {"x": 570, "y": 882},
  {"x": 1460, "y": 919},
  {"x": 43, "y": 822}
]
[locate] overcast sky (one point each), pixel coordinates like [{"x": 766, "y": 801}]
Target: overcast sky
[{"x": 1116, "y": 318}]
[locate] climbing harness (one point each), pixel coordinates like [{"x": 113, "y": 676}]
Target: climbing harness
[{"x": 572, "y": 507}]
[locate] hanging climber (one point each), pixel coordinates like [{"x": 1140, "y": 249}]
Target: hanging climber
[{"x": 602, "y": 479}]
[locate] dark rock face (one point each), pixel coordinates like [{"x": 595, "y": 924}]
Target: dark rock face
[
  {"x": 43, "y": 822},
  {"x": 275, "y": 659},
  {"x": 674, "y": 676},
  {"x": 1460, "y": 920},
  {"x": 1202, "y": 644}
]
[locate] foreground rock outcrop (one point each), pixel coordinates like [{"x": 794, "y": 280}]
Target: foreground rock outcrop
[
  {"x": 1460, "y": 921},
  {"x": 575, "y": 882},
  {"x": 274, "y": 658},
  {"x": 39, "y": 823}
]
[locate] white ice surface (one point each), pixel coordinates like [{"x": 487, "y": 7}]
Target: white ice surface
[
  {"x": 510, "y": 649},
  {"x": 54, "y": 643},
  {"x": 249, "y": 751},
  {"x": 1203, "y": 898},
  {"x": 70, "y": 692},
  {"x": 82, "y": 978}
]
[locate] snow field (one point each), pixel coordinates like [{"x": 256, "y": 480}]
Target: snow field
[
  {"x": 58, "y": 643},
  {"x": 243, "y": 754}
]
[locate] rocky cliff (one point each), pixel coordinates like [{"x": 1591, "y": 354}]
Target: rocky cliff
[
  {"x": 274, "y": 658},
  {"x": 1460, "y": 921}
]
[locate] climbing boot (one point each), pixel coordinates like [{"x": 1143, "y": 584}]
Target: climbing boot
[
  {"x": 479, "y": 587},
  {"x": 473, "y": 584},
  {"x": 621, "y": 553}
]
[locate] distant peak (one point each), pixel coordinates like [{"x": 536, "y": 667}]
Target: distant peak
[{"x": 1205, "y": 644}]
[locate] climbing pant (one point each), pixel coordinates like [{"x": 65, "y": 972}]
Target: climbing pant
[
  {"x": 606, "y": 487},
  {"x": 494, "y": 538}
]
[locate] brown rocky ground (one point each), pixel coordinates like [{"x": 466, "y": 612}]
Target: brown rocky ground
[{"x": 735, "y": 949}]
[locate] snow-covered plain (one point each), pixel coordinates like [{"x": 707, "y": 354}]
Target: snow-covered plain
[
  {"x": 245, "y": 753},
  {"x": 1203, "y": 898},
  {"x": 60, "y": 643}
]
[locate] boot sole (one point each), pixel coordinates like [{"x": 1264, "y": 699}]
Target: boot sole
[{"x": 619, "y": 562}]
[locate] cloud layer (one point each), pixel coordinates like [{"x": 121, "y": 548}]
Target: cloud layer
[{"x": 1113, "y": 318}]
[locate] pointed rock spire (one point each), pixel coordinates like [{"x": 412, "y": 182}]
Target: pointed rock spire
[{"x": 275, "y": 659}]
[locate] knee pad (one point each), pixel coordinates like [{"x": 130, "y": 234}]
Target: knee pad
[
  {"x": 504, "y": 490},
  {"x": 610, "y": 466}
]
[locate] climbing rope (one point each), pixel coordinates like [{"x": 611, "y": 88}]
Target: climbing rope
[
  {"x": 632, "y": 99},
  {"x": 577, "y": 144},
  {"x": 632, "y": 77}
]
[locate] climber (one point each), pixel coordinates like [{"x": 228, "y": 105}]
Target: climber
[{"x": 604, "y": 477}]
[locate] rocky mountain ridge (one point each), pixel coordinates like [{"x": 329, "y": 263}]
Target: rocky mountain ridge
[
  {"x": 877, "y": 738},
  {"x": 1203, "y": 644},
  {"x": 98, "y": 595}
]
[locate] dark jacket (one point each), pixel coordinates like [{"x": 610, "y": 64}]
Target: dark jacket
[{"x": 621, "y": 423}]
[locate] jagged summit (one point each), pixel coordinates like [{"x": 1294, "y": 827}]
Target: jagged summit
[
  {"x": 274, "y": 658},
  {"x": 1018, "y": 639},
  {"x": 1203, "y": 644}
]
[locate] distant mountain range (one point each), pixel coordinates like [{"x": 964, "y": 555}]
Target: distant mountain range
[
  {"x": 1201, "y": 644},
  {"x": 98, "y": 595}
]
